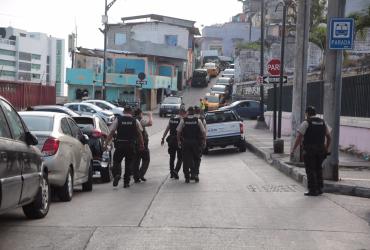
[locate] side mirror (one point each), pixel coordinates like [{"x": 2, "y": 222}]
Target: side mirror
[
  {"x": 31, "y": 139},
  {"x": 84, "y": 139}
]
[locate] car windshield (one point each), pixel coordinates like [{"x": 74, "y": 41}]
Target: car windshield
[
  {"x": 212, "y": 98},
  {"x": 220, "y": 117},
  {"x": 39, "y": 123},
  {"x": 218, "y": 88},
  {"x": 200, "y": 73},
  {"x": 172, "y": 100},
  {"x": 223, "y": 80}
]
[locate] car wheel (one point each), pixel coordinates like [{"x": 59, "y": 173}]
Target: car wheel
[
  {"x": 39, "y": 208},
  {"x": 242, "y": 146},
  {"x": 65, "y": 192},
  {"x": 88, "y": 186}
]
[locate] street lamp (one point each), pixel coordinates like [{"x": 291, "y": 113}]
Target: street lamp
[{"x": 105, "y": 23}]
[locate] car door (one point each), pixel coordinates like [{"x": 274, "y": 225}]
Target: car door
[
  {"x": 83, "y": 168},
  {"x": 26, "y": 158},
  {"x": 86, "y": 110},
  {"x": 242, "y": 109}
]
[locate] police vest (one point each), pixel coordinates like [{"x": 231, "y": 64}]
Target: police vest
[
  {"x": 126, "y": 130},
  {"x": 315, "y": 133},
  {"x": 174, "y": 122},
  {"x": 191, "y": 128}
]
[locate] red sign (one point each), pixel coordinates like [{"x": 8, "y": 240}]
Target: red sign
[{"x": 273, "y": 67}]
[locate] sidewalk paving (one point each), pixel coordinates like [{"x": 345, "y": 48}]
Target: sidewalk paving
[{"x": 354, "y": 172}]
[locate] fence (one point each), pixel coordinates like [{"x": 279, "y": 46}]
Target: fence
[
  {"x": 23, "y": 94},
  {"x": 355, "y": 96}
]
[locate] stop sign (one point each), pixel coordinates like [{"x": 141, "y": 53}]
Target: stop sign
[{"x": 273, "y": 67}]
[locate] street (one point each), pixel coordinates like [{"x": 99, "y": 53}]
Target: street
[{"x": 240, "y": 203}]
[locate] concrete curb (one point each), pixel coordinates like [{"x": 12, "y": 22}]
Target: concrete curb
[{"x": 296, "y": 174}]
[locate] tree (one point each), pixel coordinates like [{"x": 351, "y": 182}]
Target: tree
[{"x": 362, "y": 21}]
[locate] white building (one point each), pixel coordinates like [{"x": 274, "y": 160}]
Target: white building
[{"x": 31, "y": 57}]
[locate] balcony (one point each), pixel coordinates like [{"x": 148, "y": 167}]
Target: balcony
[{"x": 88, "y": 77}]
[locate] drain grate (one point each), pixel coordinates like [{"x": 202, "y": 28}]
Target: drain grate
[{"x": 272, "y": 188}]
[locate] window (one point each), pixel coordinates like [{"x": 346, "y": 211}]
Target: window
[
  {"x": 244, "y": 104},
  {"x": 102, "y": 105},
  {"x": 4, "y": 129},
  {"x": 7, "y": 73},
  {"x": 103, "y": 127},
  {"x": 15, "y": 122},
  {"x": 36, "y": 57},
  {"x": 76, "y": 132},
  {"x": 6, "y": 52},
  {"x": 35, "y": 76},
  {"x": 119, "y": 38},
  {"x": 7, "y": 63},
  {"x": 73, "y": 107},
  {"x": 23, "y": 76},
  {"x": 35, "y": 66},
  {"x": 171, "y": 40},
  {"x": 24, "y": 66},
  {"x": 24, "y": 56},
  {"x": 65, "y": 127},
  {"x": 39, "y": 123},
  {"x": 85, "y": 108}
]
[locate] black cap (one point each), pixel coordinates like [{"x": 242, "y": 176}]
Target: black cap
[
  {"x": 191, "y": 109},
  {"x": 310, "y": 110}
]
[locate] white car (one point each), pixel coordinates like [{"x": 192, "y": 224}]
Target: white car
[
  {"x": 229, "y": 73},
  {"x": 84, "y": 108},
  {"x": 106, "y": 106}
]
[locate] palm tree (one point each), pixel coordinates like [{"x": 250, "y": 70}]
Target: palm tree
[{"x": 362, "y": 21}]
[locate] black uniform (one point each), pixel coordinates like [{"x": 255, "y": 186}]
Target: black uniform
[
  {"x": 173, "y": 147},
  {"x": 314, "y": 153},
  {"x": 191, "y": 147},
  {"x": 143, "y": 156},
  {"x": 197, "y": 162},
  {"x": 124, "y": 146}
]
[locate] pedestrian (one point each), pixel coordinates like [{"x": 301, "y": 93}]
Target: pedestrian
[
  {"x": 168, "y": 91},
  {"x": 143, "y": 156},
  {"x": 201, "y": 104},
  {"x": 200, "y": 115},
  {"x": 189, "y": 134},
  {"x": 173, "y": 145},
  {"x": 128, "y": 134},
  {"x": 205, "y": 104},
  {"x": 313, "y": 131}
]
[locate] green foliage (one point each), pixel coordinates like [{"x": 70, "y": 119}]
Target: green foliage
[
  {"x": 249, "y": 45},
  {"x": 318, "y": 37},
  {"x": 318, "y": 13},
  {"x": 362, "y": 21}
]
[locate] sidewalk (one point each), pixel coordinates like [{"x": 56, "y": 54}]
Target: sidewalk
[{"x": 354, "y": 172}]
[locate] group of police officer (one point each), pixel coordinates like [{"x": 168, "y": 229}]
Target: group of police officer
[
  {"x": 186, "y": 140},
  {"x": 131, "y": 142}
]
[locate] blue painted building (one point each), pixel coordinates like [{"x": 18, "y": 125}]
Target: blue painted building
[{"x": 121, "y": 77}]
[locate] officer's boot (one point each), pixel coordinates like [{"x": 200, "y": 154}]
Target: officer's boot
[{"x": 196, "y": 178}]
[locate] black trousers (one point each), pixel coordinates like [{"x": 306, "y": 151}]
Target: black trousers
[
  {"x": 191, "y": 152},
  {"x": 313, "y": 158},
  {"x": 142, "y": 157},
  {"x": 127, "y": 151},
  {"x": 174, "y": 150}
]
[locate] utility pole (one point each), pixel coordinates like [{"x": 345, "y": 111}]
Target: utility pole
[
  {"x": 332, "y": 93},
  {"x": 261, "y": 123},
  {"x": 300, "y": 71},
  {"x": 105, "y": 22}
]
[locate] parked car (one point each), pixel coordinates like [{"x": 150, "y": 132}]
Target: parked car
[
  {"x": 245, "y": 108},
  {"x": 23, "y": 177},
  {"x": 65, "y": 151},
  {"x": 224, "y": 128},
  {"x": 229, "y": 73},
  {"x": 55, "y": 108},
  {"x": 83, "y": 108},
  {"x": 200, "y": 78},
  {"x": 212, "y": 69},
  {"x": 224, "y": 81},
  {"x": 214, "y": 101},
  {"x": 107, "y": 106},
  {"x": 97, "y": 130},
  {"x": 170, "y": 105}
]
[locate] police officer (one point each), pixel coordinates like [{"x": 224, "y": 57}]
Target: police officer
[
  {"x": 200, "y": 115},
  {"x": 313, "y": 132},
  {"x": 189, "y": 131},
  {"x": 128, "y": 133},
  {"x": 173, "y": 147},
  {"x": 144, "y": 155}
]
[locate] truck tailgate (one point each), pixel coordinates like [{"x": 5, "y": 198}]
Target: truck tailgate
[{"x": 223, "y": 129}]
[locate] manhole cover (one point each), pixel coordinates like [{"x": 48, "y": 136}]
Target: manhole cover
[{"x": 272, "y": 188}]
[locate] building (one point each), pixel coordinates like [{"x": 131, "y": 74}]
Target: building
[
  {"x": 122, "y": 72},
  {"x": 166, "y": 39},
  {"x": 31, "y": 57}
]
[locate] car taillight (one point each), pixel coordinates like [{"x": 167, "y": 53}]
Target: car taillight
[
  {"x": 50, "y": 147},
  {"x": 241, "y": 128},
  {"x": 97, "y": 133}
]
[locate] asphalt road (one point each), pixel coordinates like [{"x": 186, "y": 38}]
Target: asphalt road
[{"x": 239, "y": 203}]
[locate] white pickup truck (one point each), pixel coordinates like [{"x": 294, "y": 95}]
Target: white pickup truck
[{"x": 224, "y": 128}]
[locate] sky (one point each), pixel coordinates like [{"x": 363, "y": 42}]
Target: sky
[{"x": 59, "y": 18}]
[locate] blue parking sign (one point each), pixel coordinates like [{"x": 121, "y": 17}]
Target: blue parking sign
[{"x": 341, "y": 33}]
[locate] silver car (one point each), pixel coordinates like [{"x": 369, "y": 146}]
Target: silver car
[
  {"x": 64, "y": 149},
  {"x": 84, "y": 108},
  {"x": 106, "y": 106}
]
